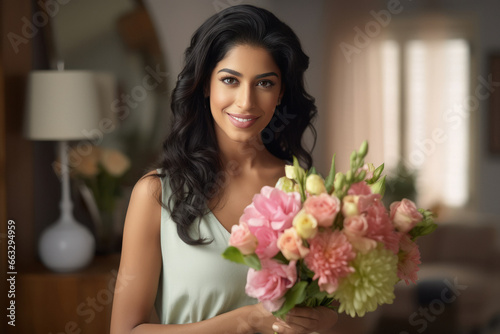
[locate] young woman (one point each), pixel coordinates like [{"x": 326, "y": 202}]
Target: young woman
[{"x": 240, "y": 110}]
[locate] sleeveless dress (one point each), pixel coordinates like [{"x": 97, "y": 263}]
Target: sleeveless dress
[{"x": 196, "y": 282}]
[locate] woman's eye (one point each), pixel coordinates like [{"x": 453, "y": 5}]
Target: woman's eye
[
  {"x": 229, "y": 81},
  {"x": 266, "y": 83}
]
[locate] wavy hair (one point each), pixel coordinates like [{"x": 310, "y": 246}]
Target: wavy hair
[{"x": 190, "y": 159}]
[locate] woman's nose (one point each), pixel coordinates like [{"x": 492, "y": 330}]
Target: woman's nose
[{"x": 245, "y": 98}]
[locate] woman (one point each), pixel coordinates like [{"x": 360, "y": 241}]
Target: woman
[{"x": 240, "y": 110}]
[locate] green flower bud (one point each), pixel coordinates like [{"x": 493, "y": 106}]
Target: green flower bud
[
  {"x": 285, "y": 184},
  {"x": 363, "y": 149}
]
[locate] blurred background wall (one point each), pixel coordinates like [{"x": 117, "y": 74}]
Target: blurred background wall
[{"x": 344, "y": 80}]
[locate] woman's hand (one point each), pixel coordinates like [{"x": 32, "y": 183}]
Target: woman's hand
[{"x": 306, "y": 320}]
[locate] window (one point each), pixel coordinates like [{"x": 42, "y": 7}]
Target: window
[{"x": 426, "y": 115}]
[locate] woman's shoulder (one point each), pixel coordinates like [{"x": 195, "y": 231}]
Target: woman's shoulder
[{"x": 147, "y": 189}]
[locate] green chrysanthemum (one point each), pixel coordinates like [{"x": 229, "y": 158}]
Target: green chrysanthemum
[{"x": 372, "y": 283}]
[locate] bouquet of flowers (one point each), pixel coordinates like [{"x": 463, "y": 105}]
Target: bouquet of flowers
[{"x": 329, "y": 242}]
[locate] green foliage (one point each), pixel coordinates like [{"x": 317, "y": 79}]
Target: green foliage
[
  {"x": 294, "y": 296},
  {"x": 233, "y": 254},
  {"x": 426, "y": 226},
  {"x": 331, "y": 177}
]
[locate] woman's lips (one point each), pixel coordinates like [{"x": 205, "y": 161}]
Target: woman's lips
[{"x": 242, "y": 121}]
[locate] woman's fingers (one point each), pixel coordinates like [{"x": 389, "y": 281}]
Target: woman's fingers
[{"x": 306, "y": 320}]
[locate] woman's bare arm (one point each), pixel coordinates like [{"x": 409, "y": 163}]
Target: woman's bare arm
[{"x": 139, "y": 273}]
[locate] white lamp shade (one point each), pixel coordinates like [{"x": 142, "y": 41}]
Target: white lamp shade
[{"x": 61, "y": 105}]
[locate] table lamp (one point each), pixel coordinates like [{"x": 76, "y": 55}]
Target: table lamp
[{"x": 60, "y": 106}]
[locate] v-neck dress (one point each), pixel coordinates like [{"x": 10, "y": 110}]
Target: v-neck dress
[{"x": 196, "y": 282}]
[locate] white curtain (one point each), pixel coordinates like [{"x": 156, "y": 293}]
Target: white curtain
[{"x": 408, "y": 97}]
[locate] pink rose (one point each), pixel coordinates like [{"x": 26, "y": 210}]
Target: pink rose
[
  {"x": 291, "y": 245},
  {"x": 355, "y": 229},
  {"x": 270, "y": 284},
  {"x": 405, "y": 215},
  {"x": 323, "y": 207},
  {"x": 243, "y": 239}
]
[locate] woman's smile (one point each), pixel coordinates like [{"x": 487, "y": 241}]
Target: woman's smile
[
  {"x": 245, "y": 88},
  {"x": 242, "y": 121}
]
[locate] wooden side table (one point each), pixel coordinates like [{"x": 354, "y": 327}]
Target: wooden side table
[{"x": 72, "y": 303}]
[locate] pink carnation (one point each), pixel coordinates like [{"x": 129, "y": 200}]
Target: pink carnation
[
  {"x": 329, "y": 257},
  {"x": 323, "y": 207},
  {"x": 409, "y": 259},
  {"x": 380, "y": 227},
  {"x": 360, "y": 188},
  {"x": 270, "y": 284}
]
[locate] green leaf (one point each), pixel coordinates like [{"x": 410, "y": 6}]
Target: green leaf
[
  {"x": 294, "y": 296},
  {"x": 281, "y": 258},
  {"x": 233, "y": 254},
  {"x": 376, "y": 174},
  {"x": 426, "y": 226},
  {"x": 311, "y": 171},
  {"x": 379, "y": 186},
  {"x": 301, "y": 180},
  {"x": 331, "y": 177}
]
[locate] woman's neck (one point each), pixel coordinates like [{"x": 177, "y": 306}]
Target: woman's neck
[{"x": 244, "y": 156}]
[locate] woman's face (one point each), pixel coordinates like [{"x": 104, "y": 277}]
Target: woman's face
[{"x": 245, "y": 87}]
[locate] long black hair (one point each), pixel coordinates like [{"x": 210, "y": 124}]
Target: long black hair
[{"x": 191, "y": 160}]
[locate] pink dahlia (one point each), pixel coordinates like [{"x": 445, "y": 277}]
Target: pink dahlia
[
  {"x": 409, "y": 259},
  {"x": 329, "y": 257}
]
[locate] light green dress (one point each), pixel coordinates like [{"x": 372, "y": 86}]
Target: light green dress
[{"x": 196, "y": 283}]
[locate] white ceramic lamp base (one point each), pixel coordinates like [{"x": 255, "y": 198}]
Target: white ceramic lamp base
[{"x": 66, "y": 246}]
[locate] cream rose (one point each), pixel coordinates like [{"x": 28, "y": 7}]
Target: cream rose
[
  {"x": 355, "y": 229},
  {"x": 315, "y": 184},
  {"x": 305, "y": 224},
  {"x": 291, "y": 245},
  {"x": 350, "y": 205}
]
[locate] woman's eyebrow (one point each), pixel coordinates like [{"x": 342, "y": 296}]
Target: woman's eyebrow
[{"x": 238, "y": 74}]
